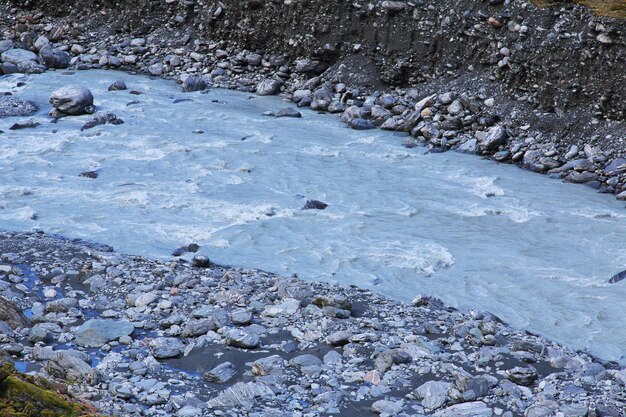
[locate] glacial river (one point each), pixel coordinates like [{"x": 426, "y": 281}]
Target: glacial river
[{"x": 211, "y": 169}]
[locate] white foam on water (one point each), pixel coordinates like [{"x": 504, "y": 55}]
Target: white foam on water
[{"x": 534, "y": 251}]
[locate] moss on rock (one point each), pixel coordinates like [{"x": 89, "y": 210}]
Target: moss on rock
[{"x": 25, "y": 396}]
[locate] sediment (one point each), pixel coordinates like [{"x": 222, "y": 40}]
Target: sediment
[{"x": 142, "y": 337}]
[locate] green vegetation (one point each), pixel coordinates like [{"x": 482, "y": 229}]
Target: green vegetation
[
  {"x": 612, "y": 8},
  {"x": 25, "y": 396}
]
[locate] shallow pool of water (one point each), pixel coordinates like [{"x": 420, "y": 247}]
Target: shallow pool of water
[{"x": 534, "y": 251}]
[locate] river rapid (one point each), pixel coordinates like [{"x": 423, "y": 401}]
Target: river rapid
[{"x": 212, "y": 169}]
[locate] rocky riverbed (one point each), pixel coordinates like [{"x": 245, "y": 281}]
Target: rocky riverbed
[{"x": 140, "y": 337}]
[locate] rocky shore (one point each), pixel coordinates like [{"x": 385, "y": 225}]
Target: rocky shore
[
  {"x": 542, "y": 88},
  {"x": 188, "y": 338}
]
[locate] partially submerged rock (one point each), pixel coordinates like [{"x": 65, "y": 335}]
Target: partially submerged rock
[
  {"x": 12, "y": 106},
  {"x": 72, "y": 100}
]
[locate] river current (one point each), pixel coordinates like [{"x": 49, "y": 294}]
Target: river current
[{"x": 211, "y": 169}]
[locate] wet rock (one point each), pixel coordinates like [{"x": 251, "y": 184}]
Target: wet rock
[
  {"x": 89, "y": 174},
  {"x": 25, "y": 125},
  {"x": 117, "y": 86},
  {"x": 12, "y": 106},
  {"x": 361, "y": 124},
  {"x": 242, "y": 338},
  {"x": 470, "y": 146},
  {"x": 97, "y": 332},
  {"x": 496, "y": 136},
  {"x": 268, "y": 87},
  {"x": 194, "y": 83},
  {"x": 289, "y": 112},
  {"x": 54, "y": 58},
  {"x": 221, "y": 373},
  {"x": 167, "y": 347},
  {"x": 201, "y": 262},
  {"x": 72, "y": 100},
  {"x": 18, "y": 56},
  {"x": 314, "y": 205},
  {"x": 101, "y": 119}
]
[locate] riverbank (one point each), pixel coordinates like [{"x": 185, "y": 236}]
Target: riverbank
[
  {"x": 141, "y": 337},
  {"x": 512, "y": 82}
]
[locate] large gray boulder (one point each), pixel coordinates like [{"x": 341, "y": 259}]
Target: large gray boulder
[
  {"x": 72, "y": 100},
  {"x": 54, "y": 58},
  {"x": 97, "y": 332},
  {"x": 16, "y": 56},
  {"x": 268, "y": 87}
]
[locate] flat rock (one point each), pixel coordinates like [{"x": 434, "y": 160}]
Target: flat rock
[
  {"x": 97, "y": 332},
  {"x": 221, "y": 373},
  {"x": 16, "y": 56},
  {"x": 469, "y": 409},
  {"x": 12, "y": 106}
]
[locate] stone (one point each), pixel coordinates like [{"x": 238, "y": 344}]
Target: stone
[
  {"x": 12, "y": 106},
  {"x": 393, "y": 6},
  {"x": 102, "y": 119},
  {"x": 241, "y": 317},
  {"x": 194, "y": 83},
  {"x": 54, "y": 58},
  {"x": 189, "y": 411},
  {"x": 72, "y": 100},
  {"x": 117, "y": 86},
  {"x": 167, "y": 347},
  {"x": 288, "y": 112},
  {"x": 268, "y": 87},
  {"x": 522, "y": 376},
  {"x": 242, "y": 395},
  {"x": 287, "y": 307},
  {"x": 71, "y": 368},
  {"x": 221, "y": 373},
  {"x": 314, "y": 205},
  {"x": 97, "y": 332},
  {"x": 340, "y": 338},
  {"x": 310, "y": 66},
  {"x": 387, "y": 407},
  {"x": 16, "y": 56},
  {"x": 433, "y": 394},
  {"x": 156, "y": 69},
  {"x": 361, "y": 124},
  {"x": 496, "y": 136},
  {"x": 242, "y": 338},
  {"x": 468, "y": 409}
]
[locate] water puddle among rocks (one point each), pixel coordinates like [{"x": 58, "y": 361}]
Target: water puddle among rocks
[{"x": 211, "y": 169}]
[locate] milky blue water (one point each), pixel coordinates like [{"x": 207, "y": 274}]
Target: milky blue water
[{"x": 534, "y": 251}]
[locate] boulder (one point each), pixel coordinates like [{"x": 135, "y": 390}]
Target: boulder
[
  {"x": 268, "y": 87},
  {"x": 12, "y": 314},
  {"x": 72, "y": 100},
  {"x": 97, "y": 332},
  {"x": 194, "y": 83},
  {"x": 167, "y": 347},
  {"x": 12, "y": 106},
  {"x": 17, "y": 56},
  {"x": 54, "y": 58}
]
